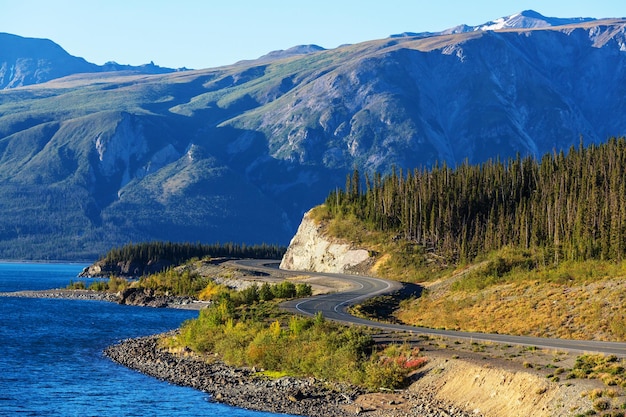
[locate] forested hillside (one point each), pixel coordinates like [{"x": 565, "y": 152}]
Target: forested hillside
[
  {"x": 565, "y": 206},
  {"x": 138, "y": 259}
]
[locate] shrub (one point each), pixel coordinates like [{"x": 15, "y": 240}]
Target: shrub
[
  {"x": 78, "y": 285},
  {"x": 265, "y": 292},
  {"x": 285, "y": 289},
  {"x": 249, "y": 295},
  {"x": 99, "y": 286},
  {"x": 391, "y": 367},
  {"x": 608, "y": 369},
  {"x": 298, "y": 324},
  {"x": 173, "y": 282},
  {"x": 116, "y": 284},
  {"x": 602, "y": 404},
  {"x": 384, "y": 374},
  {"x": 213, "y": 291},
  {"x": 303, "y": 290}
]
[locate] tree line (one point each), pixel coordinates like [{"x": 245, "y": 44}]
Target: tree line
[
  {"x": 565, "y": 206},
  {"x": 178, "y": 253}
]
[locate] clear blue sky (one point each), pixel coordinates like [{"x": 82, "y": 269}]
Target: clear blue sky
[{"x": 210, "y": 33}]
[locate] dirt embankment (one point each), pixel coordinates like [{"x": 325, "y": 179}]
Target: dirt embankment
[{"x": 498, "y": 391}]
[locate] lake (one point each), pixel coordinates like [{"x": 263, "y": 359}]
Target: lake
[{"x": 51, "y": 361}]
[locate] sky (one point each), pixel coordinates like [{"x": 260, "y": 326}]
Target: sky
[{"x": 208, "y": 33}]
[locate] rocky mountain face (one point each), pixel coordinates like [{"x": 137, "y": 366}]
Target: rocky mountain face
[{"x": 239, "y": 153}]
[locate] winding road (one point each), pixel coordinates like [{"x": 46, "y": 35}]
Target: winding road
[{"x": 333, "y": 307}]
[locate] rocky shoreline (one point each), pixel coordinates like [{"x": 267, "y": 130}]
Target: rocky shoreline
[
  {"x": 246, "y": 388},
  {"x": 136, "y": 297}
]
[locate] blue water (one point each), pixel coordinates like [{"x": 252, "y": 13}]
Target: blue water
[{"x": 51, "y": 361}]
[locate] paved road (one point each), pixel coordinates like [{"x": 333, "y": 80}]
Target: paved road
[{"x": 333, "y": 307}]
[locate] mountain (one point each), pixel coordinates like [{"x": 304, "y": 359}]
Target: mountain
[
  {"x": 239, "y": 153},
  {"x": 528, "y": 19},
  {"x": 287, "y": 53},
  {"x": 27, "y": 61}
]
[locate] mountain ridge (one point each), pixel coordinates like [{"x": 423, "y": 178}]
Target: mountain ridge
[
  {"x": 239, "y": 153},
  {"x": 27, "y": 61},
  {"x": 527, "y": 19}
]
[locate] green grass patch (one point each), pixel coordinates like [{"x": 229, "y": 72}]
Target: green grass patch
[
  {"x": 509, "y": 265},
  {"x": 274, "y": 374}
]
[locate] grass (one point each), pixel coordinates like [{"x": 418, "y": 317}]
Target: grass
[
  {"x": 609, "y": 369},
  {"x": 508, "y": 291},
  {"x": 535, "y": 308}
]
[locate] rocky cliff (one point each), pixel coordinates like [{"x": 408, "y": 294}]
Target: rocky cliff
[{"x": 311, "y": 250}]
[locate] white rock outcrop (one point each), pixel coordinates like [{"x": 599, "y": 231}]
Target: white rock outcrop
[{"x": 310, "y": 250}]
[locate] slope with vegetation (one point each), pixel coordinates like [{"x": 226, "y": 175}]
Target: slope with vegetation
[
  {"x": 238, "y": 153},
  {"x": 257, "y": 334},
  {"x": 524, "y": 247}
]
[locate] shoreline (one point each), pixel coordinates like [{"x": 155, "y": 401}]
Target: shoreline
[
  {"x": 140, "y": 299},
  {"x": 246, "y": 388},
  {"x": 456, "y": 382}
]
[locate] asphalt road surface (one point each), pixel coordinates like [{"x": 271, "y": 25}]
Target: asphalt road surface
[{"x": 333, "y": 307}]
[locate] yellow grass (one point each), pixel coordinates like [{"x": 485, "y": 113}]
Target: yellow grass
[{"x": 594, "y": 310}]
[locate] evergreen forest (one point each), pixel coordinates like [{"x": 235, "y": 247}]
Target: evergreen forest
[
  {"x": 567, "y": 206},
  {"x": 178, "y": 253}
]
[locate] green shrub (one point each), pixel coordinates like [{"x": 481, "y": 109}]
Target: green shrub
[
  {"x": 99, "y": 286},
  {"x": 285, "y": 289},
  {"x": 173, "y": 282},
  {"x": 265, "y": 292},
  {"x": 602, "y": 404},
  {"x": 78, "y": 285},
  {"x": 116, "y": 284},
  {"x": 303, "y": 290},
  {"x": 609, "y": 369},
  {"x": 249, "y": 295}
]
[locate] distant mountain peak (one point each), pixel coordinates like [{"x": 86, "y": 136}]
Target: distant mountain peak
[
  {"x": 527, "y": 19},
  {"x": 293, "y": 51},
  {"x": 26, "y": 61}
]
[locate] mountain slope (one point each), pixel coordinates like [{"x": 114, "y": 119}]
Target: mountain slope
[
  {"x": 475, "y": 95},
  {"x": 239, "y": 153}
]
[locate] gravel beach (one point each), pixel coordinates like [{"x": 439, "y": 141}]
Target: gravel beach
[{"x": 246, "y": 388}]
